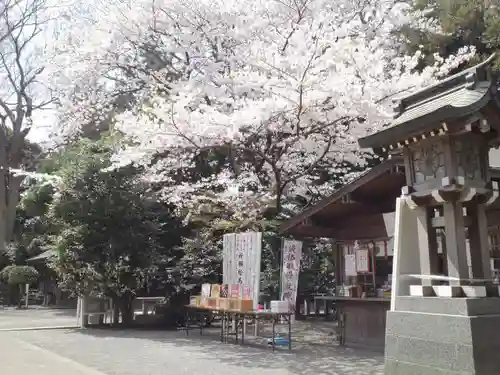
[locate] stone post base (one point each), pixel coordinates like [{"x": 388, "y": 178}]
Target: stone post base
[{"x": 443, "y": 336}]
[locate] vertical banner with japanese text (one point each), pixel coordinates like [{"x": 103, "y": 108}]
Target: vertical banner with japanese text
[
  {"x": 290, "y": 268},
  {"x": 241, "y": 263}
]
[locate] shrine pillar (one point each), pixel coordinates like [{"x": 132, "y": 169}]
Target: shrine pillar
[{"x": 446, "y": 321}]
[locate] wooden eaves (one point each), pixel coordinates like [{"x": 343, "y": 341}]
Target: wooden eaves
[{"x": 354, "y": 212}]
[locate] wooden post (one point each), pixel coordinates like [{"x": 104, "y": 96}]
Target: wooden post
[{"x": 338, "y": 268}]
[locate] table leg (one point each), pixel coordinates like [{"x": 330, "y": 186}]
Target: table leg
[
  {"x": 237, "y": 323},
  {"x": 243, "y": 332},
  {"x": 187, "y": 322},
  {"x": 222, "y": 327},
  {"x": 289, "y": 332},
  {"x": 200, "y": 322},
  {"x": 274, "y": 332},
  {"x": 144, "y": 308},
  {"x": 226, "y": 326}
]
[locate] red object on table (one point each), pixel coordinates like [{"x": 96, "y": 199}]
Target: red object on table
[{"x": 260, "y": 307}]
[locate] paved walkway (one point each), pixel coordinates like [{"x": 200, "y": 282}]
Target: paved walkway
[
  {"x": 132, "y": 352},
  {"x": 166, "y": 353},
  {"x": 11, "y": 318},
  {"x": 19, "y": 358}
]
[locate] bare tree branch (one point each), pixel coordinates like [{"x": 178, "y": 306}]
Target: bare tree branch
[{"x": 21, "y": 23}]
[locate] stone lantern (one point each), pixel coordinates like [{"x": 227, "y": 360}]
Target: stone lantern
[{"x": 447, "y": 324}]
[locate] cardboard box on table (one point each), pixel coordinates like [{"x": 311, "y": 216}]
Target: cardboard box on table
[
  {"x": 212, "y": 302},
  {"x": 195, "y": 301},
  {"x": 224, "y": 303},
  {"x": 243, "y": 305},
  {"x": 280, "y": 306}
]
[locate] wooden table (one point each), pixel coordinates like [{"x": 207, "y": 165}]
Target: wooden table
[{"x": 239, "y": 317}]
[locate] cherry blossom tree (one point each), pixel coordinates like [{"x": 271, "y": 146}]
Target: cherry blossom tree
[{"x": 281, "y": 89}]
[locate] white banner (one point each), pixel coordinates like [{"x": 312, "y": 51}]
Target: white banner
[
  {"x": 290, "y": 268},
  {"x": 350, "y": 265},
  {"x": 241, "y": 262},
  {"x": 362, "y": 260}
]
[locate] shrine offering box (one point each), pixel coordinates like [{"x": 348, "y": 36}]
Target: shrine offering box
[
  {"x": 224, "y": 304},
  {"x": 215, "y": 292},
  {"x": 224, "y": 291},
  {"x": 212, "y": 302},
  {"x": 205, "y": 290}
]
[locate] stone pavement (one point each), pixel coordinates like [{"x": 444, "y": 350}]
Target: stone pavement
[
  {"x": 11, "y": 318},
  {"x": 18, "y": 357},
  {"x": 133, "y": 352},
  {"x": 117, "y": 352}
]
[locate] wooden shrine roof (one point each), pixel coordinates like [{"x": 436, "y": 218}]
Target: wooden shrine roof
[
  {"x": 456, "y": 97},
  {"x": 354, "y": 212},
  {"x": 363, "y": 200}
]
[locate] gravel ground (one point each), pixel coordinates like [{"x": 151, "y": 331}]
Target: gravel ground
[{"x": 120, "y": 352}]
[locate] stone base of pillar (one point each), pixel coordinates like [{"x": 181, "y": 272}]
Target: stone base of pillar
[
  {"x": 448, "y": 291},
  {"x": 445, "y": 336},
  {"x": 473, "y": 291},
  {"x": 421, "y": 291}
]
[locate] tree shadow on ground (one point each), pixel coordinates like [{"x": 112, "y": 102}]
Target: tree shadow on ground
[{"x": 305, "y": 358}]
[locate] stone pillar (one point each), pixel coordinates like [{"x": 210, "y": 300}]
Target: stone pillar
[
  {"x": 479, "y": 248},
  {"x": 426, "y": 262},
  {"x": 455, "y": 242}
]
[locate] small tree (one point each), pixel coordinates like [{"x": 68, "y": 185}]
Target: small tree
[{"x": 20, "y": 276}]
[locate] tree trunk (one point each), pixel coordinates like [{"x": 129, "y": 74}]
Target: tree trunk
[
  {"x": 102, "y": 307},
  {"x": 11, "y": 205},
  {"x": 3, "y": 207},
  {"x": 116, "y": 313},
  {"x": 126, "y": 309}
]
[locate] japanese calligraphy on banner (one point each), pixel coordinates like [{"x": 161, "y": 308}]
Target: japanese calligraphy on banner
[
  {"x": 241, "y": 262},
  {"x": 350, "y": 265},
  {"x": 292, "y": 253},
  {"x": 362, "y": 260}
]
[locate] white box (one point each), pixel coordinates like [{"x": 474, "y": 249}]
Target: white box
[{"x": 280, "y": 307}]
